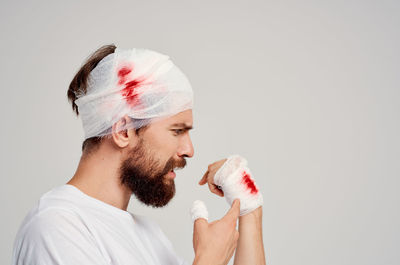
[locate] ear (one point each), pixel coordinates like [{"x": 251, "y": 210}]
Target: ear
[{"x": 120, "y": 134}]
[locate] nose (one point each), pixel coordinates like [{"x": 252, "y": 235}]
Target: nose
[{"x": 186, "y": 147}]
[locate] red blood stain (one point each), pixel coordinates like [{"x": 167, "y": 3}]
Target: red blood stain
[
  {"x": 129, "y": 91},
  {"x": 122, "y": 73},
  {"x": 249, "y": 183}
]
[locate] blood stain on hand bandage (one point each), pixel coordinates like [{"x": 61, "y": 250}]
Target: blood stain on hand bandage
[{"x": 249, "y": 183}]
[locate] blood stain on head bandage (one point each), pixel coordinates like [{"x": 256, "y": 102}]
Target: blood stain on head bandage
[
  {"x": 129, "y": 91},
  {"x": 249, "y": 183},
  {"x": 122, "y": 73}
]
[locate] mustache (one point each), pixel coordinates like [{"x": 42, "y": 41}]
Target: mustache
[
  {"x": 172, "y": 164},
  {"x": 180, "y": 164}
]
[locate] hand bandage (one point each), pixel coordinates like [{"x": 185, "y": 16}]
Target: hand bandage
[
  {"x": 235, "y": 180},
  {"x": 199, "y": 210}
]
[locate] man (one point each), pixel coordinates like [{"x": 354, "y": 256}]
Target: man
[{"x": 136, "y": 111}]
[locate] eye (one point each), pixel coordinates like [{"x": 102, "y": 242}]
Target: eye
[{"x": 178, "y": 131}]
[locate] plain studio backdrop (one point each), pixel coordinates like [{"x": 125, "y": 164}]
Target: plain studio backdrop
[{"x": 307, "y": 91}]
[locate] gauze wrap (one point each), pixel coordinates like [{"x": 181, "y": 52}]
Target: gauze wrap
[
  {"x": 236, "y": 181},
  {"x": 140, "y": 83},
  {"x": 198, "y": 210}
]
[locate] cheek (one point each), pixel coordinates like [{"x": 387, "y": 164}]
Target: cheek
[
  {"x": 165, "y": 143},
  {"x": 171, "y": 143}
]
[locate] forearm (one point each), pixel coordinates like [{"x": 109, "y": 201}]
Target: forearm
[
  {"x": 200, "y": 261},
  {"x": 250, "y": 248}
]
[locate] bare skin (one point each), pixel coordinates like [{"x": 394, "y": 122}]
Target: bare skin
[
  {"x": 250, "y": 248},
  {"x": 214, "y": 243},
  {"x": 98, "y": 176}
]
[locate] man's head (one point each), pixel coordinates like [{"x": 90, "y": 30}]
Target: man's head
[
  {"x": 153, "y": 154},
  {"x": 139, "y": 102}
]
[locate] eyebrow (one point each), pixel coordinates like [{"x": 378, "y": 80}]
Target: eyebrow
[{"x": 182, "y": 125}]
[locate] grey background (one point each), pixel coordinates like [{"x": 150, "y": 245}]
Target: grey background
[{"x": 307, "y": 91}]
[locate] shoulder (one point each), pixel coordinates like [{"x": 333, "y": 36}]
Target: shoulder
[
  {"x": 55, "y": 236},
  {"x": 54, "y": 211},
  {"x": 52, "y": 233},
  {"x": 49, "y": 227},
  {"x": 52, "y": 220}
]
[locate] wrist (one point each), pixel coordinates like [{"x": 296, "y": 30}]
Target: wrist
[
  {"x": 257, "y": 213},
  {"x": 200, "y": 260}
]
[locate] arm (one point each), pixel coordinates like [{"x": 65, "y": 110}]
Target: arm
[{"x": 250, "y": 248}]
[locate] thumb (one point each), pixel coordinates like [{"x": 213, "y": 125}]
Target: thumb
[
  {"x": 200, "y": 224},
  {"x": 234, "y": 211},
  {"x": 203, "y": 180}
]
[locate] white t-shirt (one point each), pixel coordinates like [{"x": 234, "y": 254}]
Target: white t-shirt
[{"x": 69, "y": 227}]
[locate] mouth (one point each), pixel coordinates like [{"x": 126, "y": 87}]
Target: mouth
[{"x": 171, "y": 174}]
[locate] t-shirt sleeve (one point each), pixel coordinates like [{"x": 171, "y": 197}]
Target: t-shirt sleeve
[{"x": 56, "y": 237}]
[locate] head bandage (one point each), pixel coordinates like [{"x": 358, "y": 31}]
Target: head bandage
[{"x": 142, "y": 84}]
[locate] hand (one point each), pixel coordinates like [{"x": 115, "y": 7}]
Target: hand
[
  {"x": 214, "y": 243},
  {"x": 208, "y": 177}
]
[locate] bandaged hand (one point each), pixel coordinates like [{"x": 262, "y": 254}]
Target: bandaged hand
[
  {"x": 215, "y": 242},
  {"x": 232, "y": 178}
]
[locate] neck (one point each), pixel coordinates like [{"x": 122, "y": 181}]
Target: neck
[{"x": 98, "y": 176}]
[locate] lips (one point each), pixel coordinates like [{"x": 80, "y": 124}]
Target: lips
[
  {"x": 171, "y": 174},
  {"x": 173, "y": 165}
]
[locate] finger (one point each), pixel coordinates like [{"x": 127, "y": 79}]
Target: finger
[
  {"x": 213, "y": 188},
  {"x": 200, "y": 224},
  {"x": 198, "y": 210},
  {"x": 219, "y": 192},
  {"x": 234, "y": 211},
  {"x": 204, "y": 179}
]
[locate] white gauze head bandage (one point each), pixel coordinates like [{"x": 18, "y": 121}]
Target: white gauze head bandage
[
  {"x": 142, "y": 84},
  {"x": 236, "y": 181}
]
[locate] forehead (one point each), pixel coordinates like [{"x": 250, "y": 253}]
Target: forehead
[{"x": 180, "y": 119}]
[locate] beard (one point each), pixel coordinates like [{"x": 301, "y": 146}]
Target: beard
[{"x": 146, "y": 177}]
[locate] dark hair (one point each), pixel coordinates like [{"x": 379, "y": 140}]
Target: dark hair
[{"x": 78, "y": 85}]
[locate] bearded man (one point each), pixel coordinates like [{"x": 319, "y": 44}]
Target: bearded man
[{"x": 136, "y": 111}]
